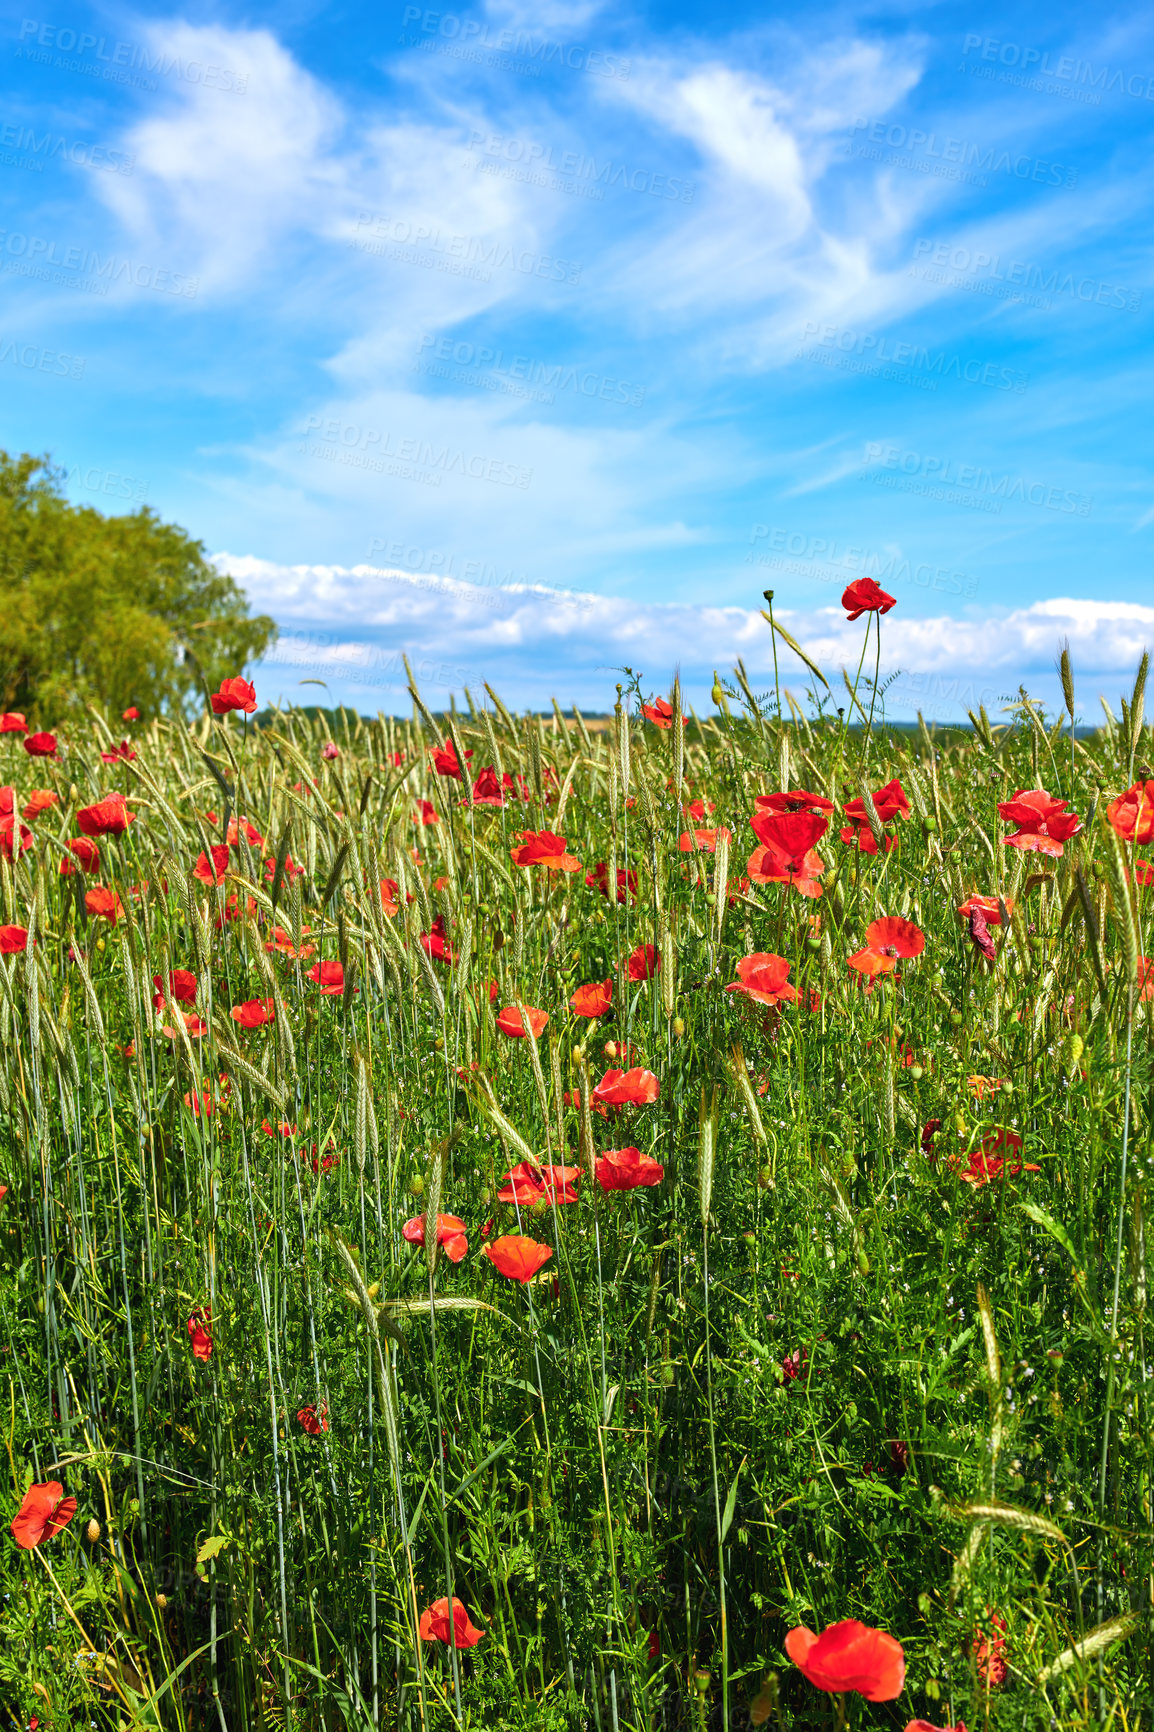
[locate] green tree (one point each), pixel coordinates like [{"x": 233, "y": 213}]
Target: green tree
[{"x": 116, "y": 610}]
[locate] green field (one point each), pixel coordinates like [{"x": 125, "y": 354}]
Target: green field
[{"x": 857, "y": 1330}]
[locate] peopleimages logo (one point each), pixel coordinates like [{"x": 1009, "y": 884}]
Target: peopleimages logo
[
  {"x": 1067, "y": 68},
  {"x": 371, "y": 448},
  {"x": 38, "y": 360},
  {"x": 52, "y": 261},
  {"x": 471, "y": 36},
  {"x": 825, "y": 561},
  {"x": 956, "y": 157},
  {"x": 519, "y": 375},
  {"x": 968, "y": 483},
  {"x": 53, "y": 147},
  {"x": 463, "y": 255},
  {"x": 1040, "y": 279},
  {"x": 528, "y": 158},
  {"x": 120, "y": 65},
  {"x": 877, "y": 351}
]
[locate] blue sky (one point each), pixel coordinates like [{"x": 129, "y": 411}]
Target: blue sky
[{"x": 534, "y": 341}]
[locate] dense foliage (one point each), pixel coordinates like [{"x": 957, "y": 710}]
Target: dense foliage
[
  {"x": 117, "y": 610},
  {"x": 854, "y": 1328}
]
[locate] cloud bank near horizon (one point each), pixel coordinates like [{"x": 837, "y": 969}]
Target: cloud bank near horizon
[{"x": 352, "y": 627}]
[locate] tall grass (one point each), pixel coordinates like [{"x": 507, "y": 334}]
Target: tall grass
[{"x": 812, "y": 1374}]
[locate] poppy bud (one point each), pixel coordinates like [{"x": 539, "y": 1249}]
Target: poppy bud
[
  {"x": 374, "y": 1289},
  {"x": 1075, "y": 1047},
  {"x": 610, "y": 1049},
  {"x": 929, "y": 824},
  {"x": 960, "y": 1121},
  {"x": 578, "y": 1055},
  {"x": 162, "y": 1602},
  {"x": 764, "y": 1178},
  {"x": 716, "y": 694},
  {"x": 100, "y": 944},
  {"x": 93, "y": 1531},
  {"x": 668, "y": 1375},
  {"x": 416, "y": 1186},
  {"x": 678, "y": 1026},
  {"x": 439, "y": 1044},
  {"x": 74, "y": 793}
]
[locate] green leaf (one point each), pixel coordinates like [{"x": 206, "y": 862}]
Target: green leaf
[
  {"x": 1044, "y": 1219},
  {"x": 212, "y": 1548},
  {"x": 731, "y": 1500}
]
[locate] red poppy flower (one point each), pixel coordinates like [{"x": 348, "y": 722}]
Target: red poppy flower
[
  {"x": 39, "y": 800},
  {"x": 445, "y": 760},
  {"x": 644, "y": 962},
  {"x": 893, "y": 936},
  {"x": 434, "y": 1625},
  {"x": 85, "y": 851},
  {"x": 1043, "y": 822},
  {"x": 515, "y": 1257},
  {"x": 202, "y": 1103},
  {"x": 123, "y": 753},
  {"x": 194, "y": 1026},
  {"x": 450, "y": 1234},
  {"x": 131, "y": 714},
  {"x": 13, "y": 939},
  {"x": 329, "y": 976},
  {"x": 200, "y": 1332},
  {"x": 1132, "y": 813},
  {"x": 181, "y": 988},
  {"x": 212, "y": 871},
  {"x": 987, "y": 906},
  {"x": 850, "y": 1656},
  {"x": 543, "y": 848},
  {"x": 660, "y": 713},
  {"x": 593, "y": 1000},
  {"x": 801, "y": 800},
  {"x": 870, "y": 963},
  {"x": 234, "y": 911},
  {"x": 12, "y": 722},
  {"x": 281, "y": 941},
  {"x": 654, "y": 1649},
  {"x": 314, "y": 1420},
  {"x": 980, "y": 935},
  {"x": 764, "y": 978},
  {"x": 787, "y": 853},
  {"x": 990, "y": 1652},
  {"x": 105, "y": 904},
  {"x": 435, "y": 944},
  {"x": 626, "y": 1088},
  {"x": 40, "y": 745},
  {"x": 389, "y": 889},
  {"x": 703, "y": 841},
  {"x": 15, "y": 838},
  {"x": 988, "y": 1160},
  {"x": 109, "y": 817},
  {"x": 487, "y": 790},
  {"x": 251, "y": 834},
  {"x": 330, "y": 750},
  {"x": 627, "y": 1169},
  {"x": 234, "y": 694},
  {"x": 43, "y": 1513},
  {"x": 864, "y": 596},
  {"x": 426, "y": 813},
  {"x": 514, "y": 1018},
  {"x": 697, "y": 808},
  {"x": 598, "y": 879},
  {"x": 925, "y": 1726},
  {"x": 281, "y": 1130},
  {"x": 254, "y": 1013},
  {"x": 527, "y": 1183}
]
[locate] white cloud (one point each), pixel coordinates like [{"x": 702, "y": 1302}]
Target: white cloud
[
  {"x": 222, "y": 174},
  {"x": 530, "y": 641}
]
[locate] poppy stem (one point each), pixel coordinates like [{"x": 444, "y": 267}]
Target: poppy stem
[{"x": 716, "y": 1490}]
